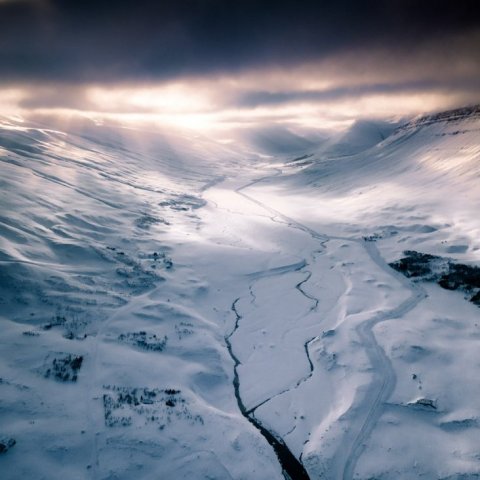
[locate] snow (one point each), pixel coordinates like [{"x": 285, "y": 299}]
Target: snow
[{"x": 158, "y": 288}]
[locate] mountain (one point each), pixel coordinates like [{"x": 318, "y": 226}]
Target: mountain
[
  {"x": 285, "y": 142},
  {"x": 360, "y": 136},
  {"x": 172, "y": 307},
  {"x": 425, "y": 173},
  {"x": 279, "y": 140},
  {"x": 456, "y": 115}
]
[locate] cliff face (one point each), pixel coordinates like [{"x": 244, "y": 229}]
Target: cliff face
[{"x": 455, "y": 115}]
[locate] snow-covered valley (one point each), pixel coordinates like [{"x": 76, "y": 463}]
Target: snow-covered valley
[{"x": 172, "y": 307}]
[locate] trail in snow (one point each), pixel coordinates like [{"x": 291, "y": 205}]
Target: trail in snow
[
  {"x": 288, "y": 220},
  {"x": 383, "y": 383}
]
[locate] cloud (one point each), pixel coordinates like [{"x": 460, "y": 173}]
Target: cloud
[
  {"x": 89, "y": 41},
  {"x": 257, "y": 98},
  {"x": 216, "y": 62},
  {"x": 63, "y": 96}
]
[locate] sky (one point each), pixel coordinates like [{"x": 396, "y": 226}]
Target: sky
[{"x": 219, "y": 64}]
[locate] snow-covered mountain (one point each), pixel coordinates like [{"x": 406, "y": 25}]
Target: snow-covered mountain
[
  {"x": 283, "y": 142},
  {"x": 360, "y": 136},
  {"x": 174, "y": 308},
  {"x": 425, "y": 174}
]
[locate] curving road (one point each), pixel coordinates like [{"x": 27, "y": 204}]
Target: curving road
[{"x": 370, "y": 407}]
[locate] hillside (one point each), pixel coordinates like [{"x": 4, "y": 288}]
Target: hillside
[{"x": 174, "y": 308}]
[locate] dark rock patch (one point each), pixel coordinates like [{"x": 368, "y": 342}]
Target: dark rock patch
[
  {"x": 425, "y": 403},
  {"x": 6, "y": 444},
  {"x": 125, "y": 406},
  {"x": 443, "y": 271},
  {"x": 146, "y": 221},
  {"x": 144, "y": 340},
  {"x": 63, "y": 367}
]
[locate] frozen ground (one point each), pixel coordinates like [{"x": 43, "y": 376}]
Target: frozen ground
[{"x": 172, "y": 308}]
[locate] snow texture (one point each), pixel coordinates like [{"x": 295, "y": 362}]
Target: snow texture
[{"x": 175, "y": 308}]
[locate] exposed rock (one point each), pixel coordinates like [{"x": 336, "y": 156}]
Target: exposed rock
[
  {"x": 144, "y": 340},
  {"x": 63, "y": 367},
  {"x": 6, "y": 444},
  {"x": 449, "y": 275},
  {"x": 425, "y": 402},
  {"x": 328, "y": 333}
]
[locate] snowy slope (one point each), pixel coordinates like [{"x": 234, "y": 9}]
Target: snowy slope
[
  {"x": 423, "y": 177},
  {"x": 103, "y": 350},
  {"x": 416, "y": 190},
  {"x": 172, "y": 308},
  {"x": 360, "y": 136}
]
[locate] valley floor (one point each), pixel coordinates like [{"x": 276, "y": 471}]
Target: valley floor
[{"x": 219, "y": 329}]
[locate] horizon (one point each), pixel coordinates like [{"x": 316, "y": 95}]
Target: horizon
[
  {"x": 239, "y": 240},
  {"x": 214, "y": 68}
]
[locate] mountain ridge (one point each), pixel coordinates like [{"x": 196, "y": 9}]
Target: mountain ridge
[{"x": 442, "y": 116}]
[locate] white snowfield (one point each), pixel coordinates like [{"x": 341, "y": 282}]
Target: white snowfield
[{"x": 172, "y": 308}]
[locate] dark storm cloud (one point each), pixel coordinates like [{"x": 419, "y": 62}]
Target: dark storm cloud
[
  {"x": 94, "y": 41},
  {"x": 256, "y": 98}
]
